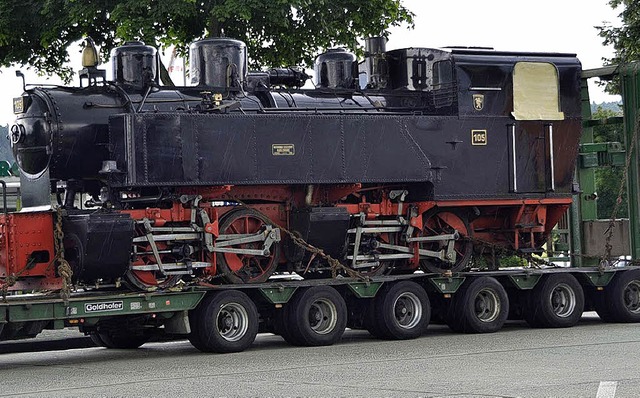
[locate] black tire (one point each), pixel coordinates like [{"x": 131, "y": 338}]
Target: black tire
[
  {"x": 620, "y": 300},
  {"x": 401, "y": 311},
  {"x": 480, "y": 306},
  {"x": 194, "y": 336},
  {"x": 370, "y": 319},
  {"x": 254, "y": 269},
  {"x": 283, "y": 327},
  {"x": 95, "y": 337},
  {"x": 316, "y": 316},
  {"x": 555, "y": 302},
  {"x": 121, "y": 339},
  {"x": 226, "y": 321}
]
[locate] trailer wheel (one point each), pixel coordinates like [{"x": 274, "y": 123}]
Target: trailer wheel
[
  {"x": 121, "y": 339},
  {"x": 194, "y": 335},
  {"x": 95, "y": 337},
  {"x": 620, "y": 301},
  {"x": 401, "y": 311},
  {"x": 556, "y": 302},
  {"x": 224, "y": 322},
  {"x": 480, "y": 306},
  {"x": 315, "y": 317},
  {"x": 282, "y": 326}
]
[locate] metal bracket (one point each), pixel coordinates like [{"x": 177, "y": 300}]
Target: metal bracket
[
  {"x": 269, "y": 236},
  {"x": 152, "y": 243},
  {"x": 447, "y": 285},
  {"x": 449, "y": 255},
  {"x": 365, "y": 290},
  {"x": 399, "y": 194},
  {"x": 525, "y": 282},
  {"x": 278, "y": 295}
]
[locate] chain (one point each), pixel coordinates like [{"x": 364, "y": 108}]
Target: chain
[
  {"x": 606, "y": 256},
  {"x": 64, "y": 269},
  {"x": 207, "y": 281},
  {"x": 335, "y": 265},
  {"x": 9, "y": 281}
]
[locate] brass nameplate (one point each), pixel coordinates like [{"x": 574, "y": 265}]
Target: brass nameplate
[
  {"x": 478, "y": 137},
  {"x": 283, "y": 149}
]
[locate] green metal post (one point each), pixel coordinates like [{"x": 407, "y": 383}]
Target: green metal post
[
  {"x": 581, "y": 208},
  {"x": 630, "y": 84}
]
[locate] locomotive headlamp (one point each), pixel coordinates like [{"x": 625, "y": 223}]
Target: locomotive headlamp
[
  {"x": 89, "y": 54},
  {"x": 19, "y": 105}
]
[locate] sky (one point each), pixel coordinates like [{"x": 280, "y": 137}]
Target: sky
[{"x": 565, "y": 26}]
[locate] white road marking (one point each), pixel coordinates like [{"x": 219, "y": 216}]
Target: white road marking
[{"x": 607, "y": 389}]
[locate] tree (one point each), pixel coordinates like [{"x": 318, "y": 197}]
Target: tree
[
  {"x": 277, "y": 32},
  {"x": 608, "y": 179},
  {"x": 625, "y": 39}
]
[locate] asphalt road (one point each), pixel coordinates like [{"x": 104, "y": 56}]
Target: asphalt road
[{"x": 589, "y": 360}]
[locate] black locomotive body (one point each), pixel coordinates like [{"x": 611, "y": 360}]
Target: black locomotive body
[{"x": 436, "y": 151}]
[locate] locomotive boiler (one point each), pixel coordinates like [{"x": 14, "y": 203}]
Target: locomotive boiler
[{"x": 413, "y": 159}]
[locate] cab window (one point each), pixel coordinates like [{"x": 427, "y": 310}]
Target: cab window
[
  {"x": 444, "y": 89},
  {"x": 536, "y": 93}
]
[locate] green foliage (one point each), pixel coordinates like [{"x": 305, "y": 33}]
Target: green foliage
[
  {"x": 512, "y": 261},
  {"x": 503, "y": 261},
  {"x": 277, "y": 32},
  {"x": 625, "y": 39},
  {"x": 608, "y": 180}
]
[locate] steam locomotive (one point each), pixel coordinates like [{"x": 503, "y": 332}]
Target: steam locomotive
[{"x": 413, "y": 159}]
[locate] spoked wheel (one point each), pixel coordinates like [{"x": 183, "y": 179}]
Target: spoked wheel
[
  {"x": 480, "y": 306},
  {"x": 224, "y": 322},
  {"x": 620, "y": 300},
  {"x": 400, "y": 311},
  {"x": 151, "y": 280},
  {"x": 556, "y": 302},
  {"x": 316, "y": 316},
  {"x": 372, "y": 246},
  {"x": 441, "y": 222},
  {"x": 247, "y": 268}
]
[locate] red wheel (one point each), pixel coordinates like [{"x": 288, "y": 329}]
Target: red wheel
[
  {"x": 446, "y": 222},
  {"x": 149, "y": 280},
  {"x": 370, "y": 246},
  {"x": 246, "y": 268}
]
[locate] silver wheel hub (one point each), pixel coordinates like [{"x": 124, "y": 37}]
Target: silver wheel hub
[
  {"x": 407, "y": 310},
  {"x": 563, "y": 300},
  {"x": 323, "y": 316},
  {"x": 632, "y": 297},
  {"x": 232, "y": 321},
  {"x": 487, "y": 305}
]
